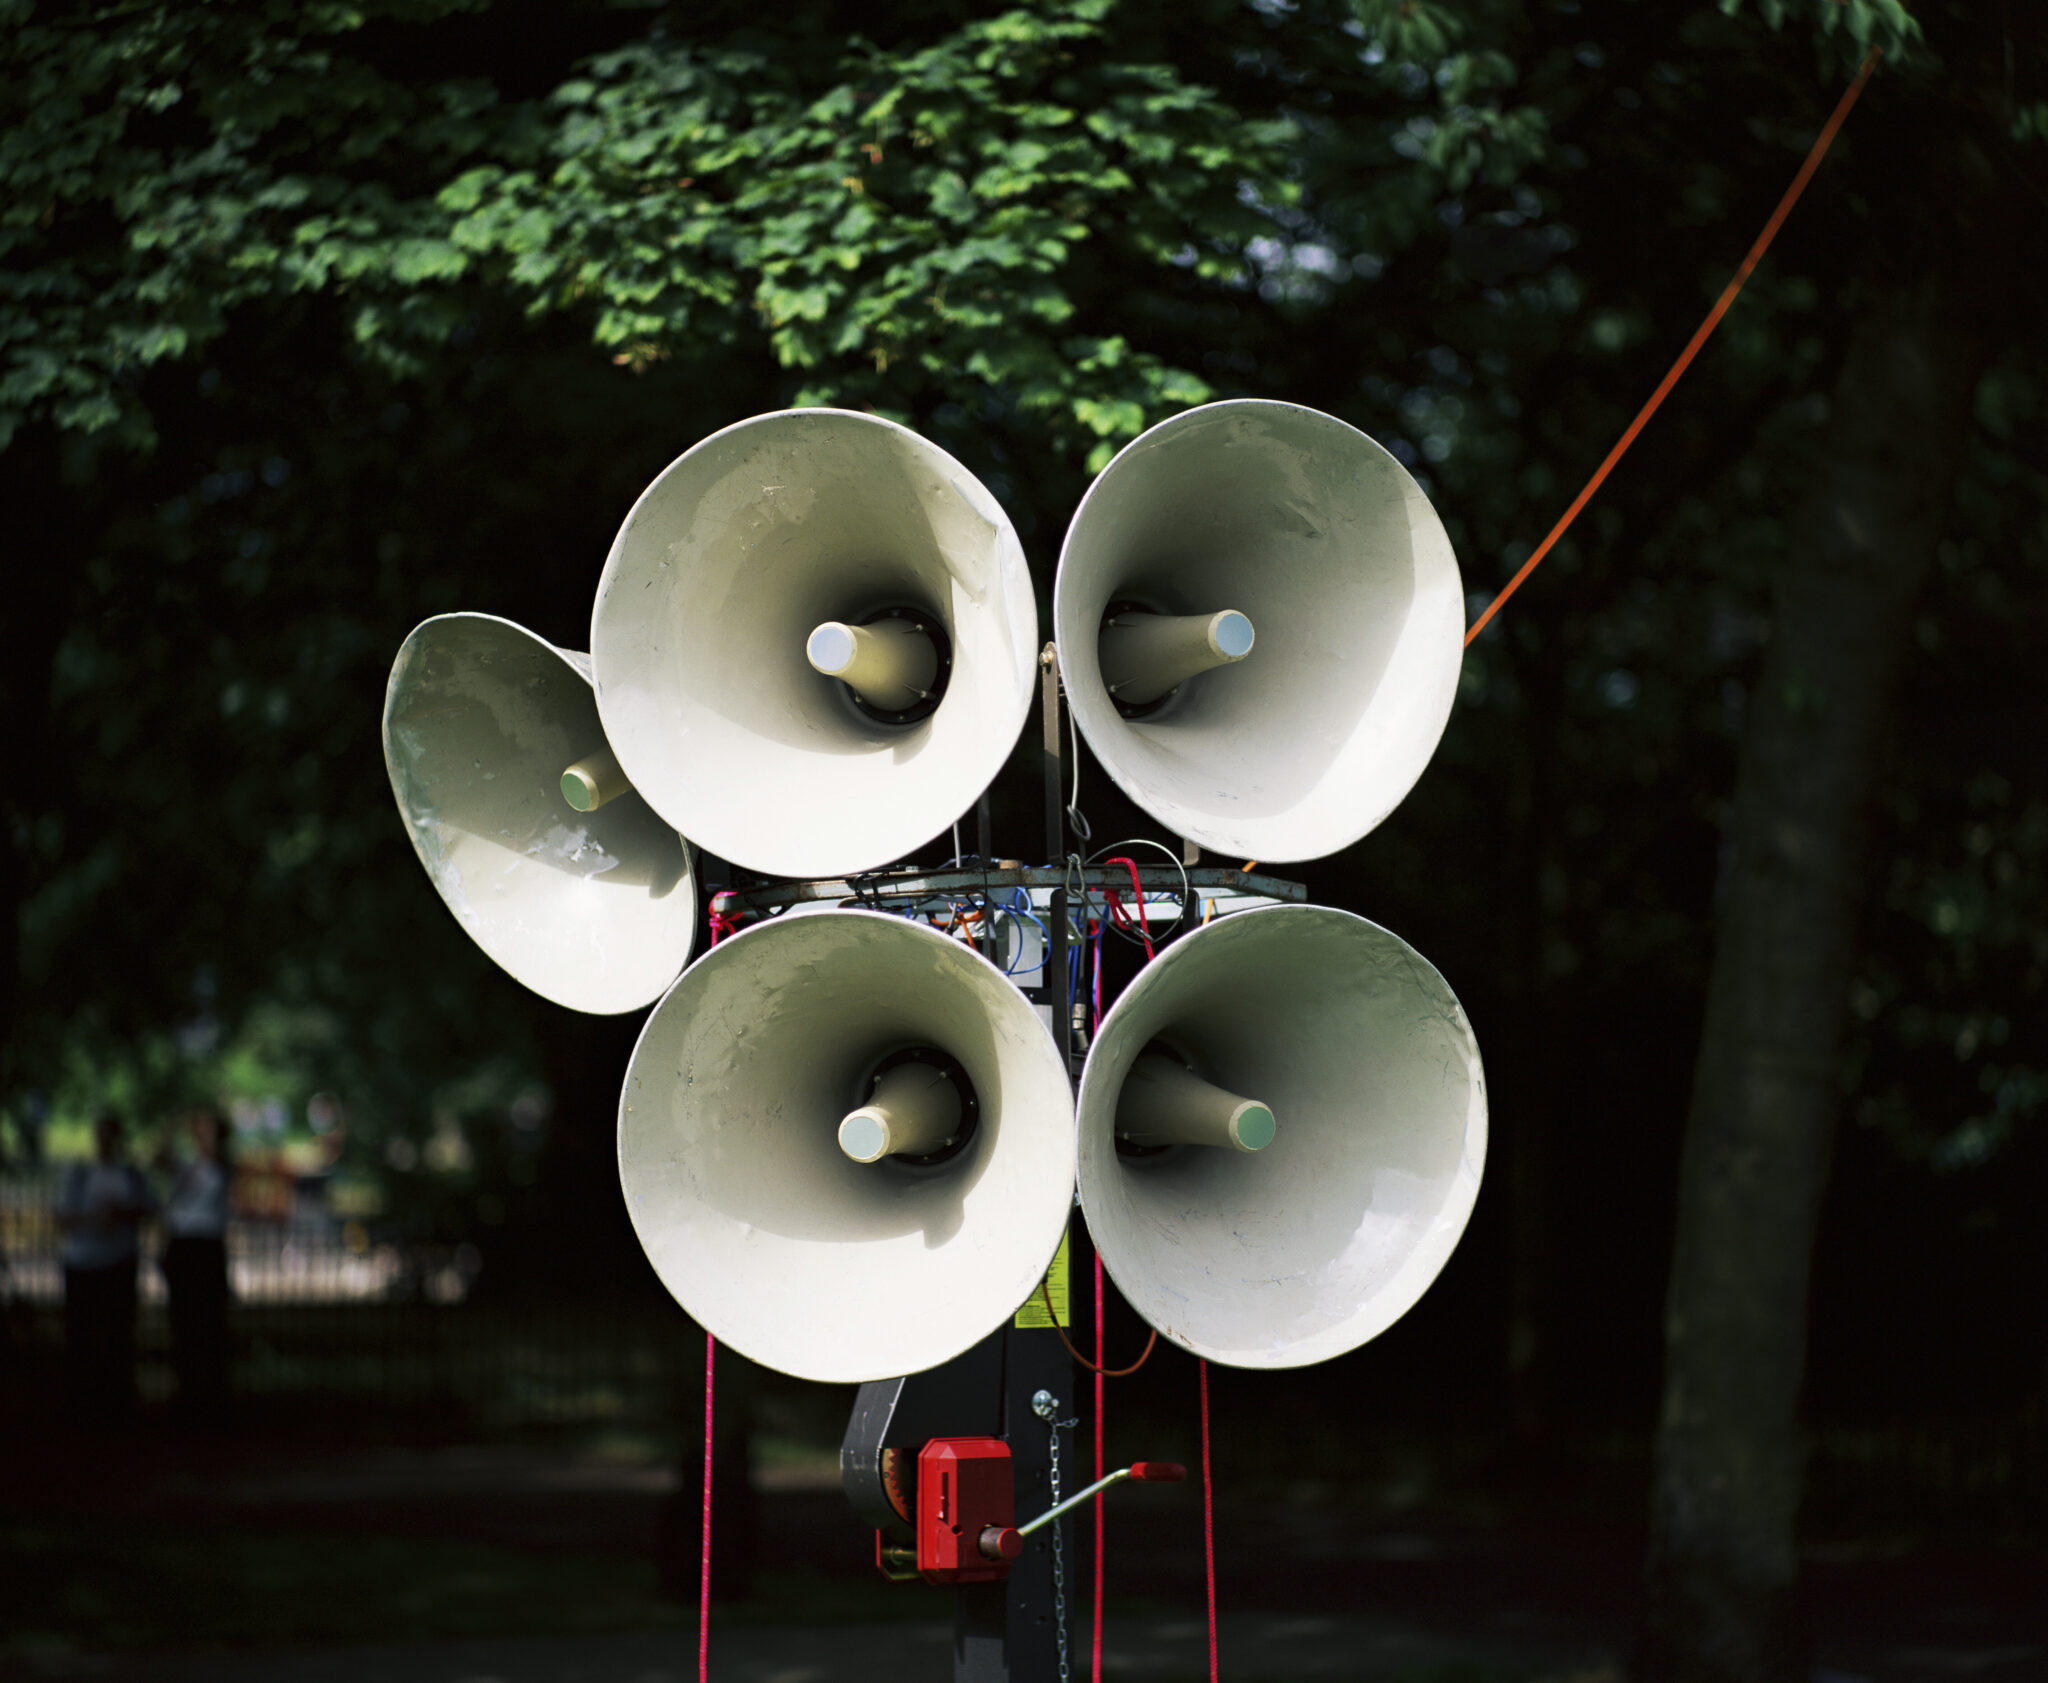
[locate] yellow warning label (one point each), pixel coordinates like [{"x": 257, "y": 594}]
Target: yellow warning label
[{"x": 1033, "y": 1313}]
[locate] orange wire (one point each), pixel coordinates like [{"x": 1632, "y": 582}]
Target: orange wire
[
  {"x": 1706, "y": 328},
  {"x": 1045, "y": 1292}
]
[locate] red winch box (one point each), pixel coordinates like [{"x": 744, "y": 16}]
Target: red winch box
[{"x": 966, "y": 1511}]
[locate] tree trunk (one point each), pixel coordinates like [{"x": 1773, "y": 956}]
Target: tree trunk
[
  {"x": 1721, "y": 1582},
  {"x": 51, "y": 554},
  {"x": 1528, "y": 1046}
]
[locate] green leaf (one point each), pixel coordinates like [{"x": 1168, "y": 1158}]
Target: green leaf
[{"x": 413, "y": 261}]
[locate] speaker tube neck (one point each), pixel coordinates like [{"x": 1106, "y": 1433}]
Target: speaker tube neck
[
  {"x": 1163, "y": 1102},
  {"x": 1145, "y": 656},
  {"x": 593, "y": 780},
  {"x": 890, "y": 664},
  {"x": 914, "y": 1110}
]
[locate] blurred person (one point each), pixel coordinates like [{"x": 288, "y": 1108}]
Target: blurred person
[
  {"x": 100, "y": 1206},
  {"x": 28, "y": 1129},
  {"x": 195, "y": 1269}
]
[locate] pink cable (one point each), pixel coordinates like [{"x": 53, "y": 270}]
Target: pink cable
[
  {"x": 1097, "y": 1672},
  {"x": 1098, "y": 972},
  {"x": 704, "y": 1565},
  {"x": 1137, "y": 894},
  {"x": 1208, "y": 1524},
  {"x": 722, "y": 924}
]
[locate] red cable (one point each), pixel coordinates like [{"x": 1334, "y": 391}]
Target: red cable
[
  {"x": 1113, "y": 902},
  {"x": 1138, "y": 894},
  {"x": 1097, "y": 1671},
  {"x": 704, "y": 1565},
  {"x": 1706, "y": 328},
  {"x": 1208, "y": 1523},
  {"x": 1113, "y": 898},
  {"x": 723, "y": 925}
]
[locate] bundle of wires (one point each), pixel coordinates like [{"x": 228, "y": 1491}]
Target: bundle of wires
[{"x": 1088, "y": 929}]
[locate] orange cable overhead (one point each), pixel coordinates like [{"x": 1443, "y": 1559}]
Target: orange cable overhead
[{"x": 1821, "y": 144}]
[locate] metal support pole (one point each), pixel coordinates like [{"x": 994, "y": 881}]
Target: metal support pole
[
  {"x": 990, "y": 942},
  {"x": 1055, "y": 763},
  {"x": 1055, "y": 755},
  {"x": 1055, "y": 989},
  {"x": 1009, "y": 1632}
]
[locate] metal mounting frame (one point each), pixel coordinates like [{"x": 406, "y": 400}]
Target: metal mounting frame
[
  {"x": 1004, "y": 1631},
  {"x": 913, "y": 882}
]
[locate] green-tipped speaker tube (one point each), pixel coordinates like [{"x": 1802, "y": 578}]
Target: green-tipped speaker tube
[
  {"x": 1163, "y": 1102},
  {"x": 593, "y": 780}
]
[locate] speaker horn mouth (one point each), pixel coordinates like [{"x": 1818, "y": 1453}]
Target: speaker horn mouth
[
  {"x": 567, "y": 878},
  {"x": 724, "y": 568},
  {"x": 753, "y": 1215},
  {"x": 1331, "y": 551},
  {"x": 1321, "y": 1240}
]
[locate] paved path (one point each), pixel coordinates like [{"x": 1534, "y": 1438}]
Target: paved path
[
  {"x": 1256, "y": 1648},
  {"x": 1325, "y": 1592},
  {"x": 1254, "y": 1645}
]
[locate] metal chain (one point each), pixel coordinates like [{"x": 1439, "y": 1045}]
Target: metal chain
[{"x": 1045, "y": 1405}]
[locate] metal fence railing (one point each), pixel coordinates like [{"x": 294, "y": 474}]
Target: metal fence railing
[
  {"x": 1985, "y": 1474},
  {"x": 331, "y": 1322},
  {"x": 304, "y": 1256}
]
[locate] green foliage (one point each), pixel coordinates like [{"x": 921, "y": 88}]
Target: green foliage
[
  {"x": 899, "y": 230},
  {"x": 163, "y": 165},
  {"x": 1845, "y": 30},
  {"x": 899, "y": 236}
]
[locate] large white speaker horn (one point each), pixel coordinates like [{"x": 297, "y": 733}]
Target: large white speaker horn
[
  {"x": 814, "y": 642},
  {"x": 847, "y": 1145},
  {"x": 484, "y": 724},
  {"x": 1260, "y": 625},
  {"x": 1329, "y": 1093}
]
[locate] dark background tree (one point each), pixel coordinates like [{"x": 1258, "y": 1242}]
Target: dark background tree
[
  {"x": 1935, "y": 299},
  {"x": 315, "y": 323}
]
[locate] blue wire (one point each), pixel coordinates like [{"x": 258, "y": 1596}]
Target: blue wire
[{"x": 1011, "y": 911}]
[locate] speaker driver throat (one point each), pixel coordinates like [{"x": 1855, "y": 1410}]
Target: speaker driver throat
[
  {"x": 942, "y": 647},
  {"x": 1135, "y": 709},
  {"x": 950, "y": 1070},
  {"x": 1130, "y": 1150}
]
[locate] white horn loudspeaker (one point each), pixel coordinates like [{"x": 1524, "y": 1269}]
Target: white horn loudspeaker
[
  {"x": 1282, "y": 1126},
  {"x": 847, "y": 1145},
  {"x": 815, "y": 642},
  {"x": 555, "y": 867},
  {"x": 1260, "y": 626}
]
